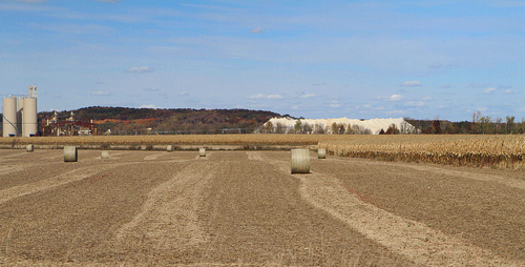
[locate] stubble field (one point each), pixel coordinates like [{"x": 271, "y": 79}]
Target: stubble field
[{"x": 245, "y": 208}]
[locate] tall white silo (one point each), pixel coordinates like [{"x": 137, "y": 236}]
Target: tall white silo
[
  {"x": 29, "y": 117},
  {"x": 9, "y": 117},
  {"x": 19, "y": 115}
]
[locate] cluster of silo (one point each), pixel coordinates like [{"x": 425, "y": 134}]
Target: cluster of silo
[{"x": 20, "y": 115}]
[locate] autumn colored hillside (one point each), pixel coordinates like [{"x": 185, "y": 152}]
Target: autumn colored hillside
[{"x": 167, "y": 121}]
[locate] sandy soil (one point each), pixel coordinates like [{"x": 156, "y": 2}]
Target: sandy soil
[{"x": 245, "y": 208}]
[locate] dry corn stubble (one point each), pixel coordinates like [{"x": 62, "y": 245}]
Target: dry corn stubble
[{"x": 501, "y": 151}]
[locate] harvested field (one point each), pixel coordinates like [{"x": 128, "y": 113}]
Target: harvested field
[{"x": 245, "y": 208}]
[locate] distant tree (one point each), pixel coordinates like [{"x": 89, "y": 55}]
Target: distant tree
[
  {"x": 509, "y": 125},
  {"x": 307, "y": 129},
  {"x": 340, "y": 129},
  {"x": 392, "y": 129},
  {"x": 279, "y": 128},
  {"x": 268, "y": 127},
  {"x": 334, "y": 128},
  {"x": 484, "y": 124},
  {"x": 318, "y": 129},
  {"x": 436, "y": 124},
  {"x": 498, "y": 128},
  {"x": 298, "y": 127}
]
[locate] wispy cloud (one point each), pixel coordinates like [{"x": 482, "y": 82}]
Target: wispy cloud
[
  {"x": 142, "y": 69},
  {"x": 319, "y": 84},
  {"x": 508, "y": 91},
  {"x": 99, "y": 93},
  {"x": 436, "y": 66},
  {"x": 257, "y": 30},
  {"x": 184, "y": 93},
  {"x": 334, "y": 104},
  {"x": 263, "y": 96},
  {"x": 446, "y": 86},
  {"x": 411, "y": 83},
  {"x": 414, "y": 103},
  {"x": 153, "y": 90},
  {"x": 308, "y": 96},
  {"x": 72, "y": 28},
  {"x": 489, "y": 90}
]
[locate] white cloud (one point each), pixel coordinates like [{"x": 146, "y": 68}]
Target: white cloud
[
  {"x": 426, "y": 98},
  {"x": 184, "y": 93},
  {"x": 257, "y": 30},
  {"x": 153, "y": 90},
  {"x": 390, "y": 98},
  {"x": 446, "y": 86},
  {"x": 489, "y": 90},
  {"x": 414, "y": 104},
  {"x": 262, "y": 96},
  {"x": 334, "y": 104},
  {"x": 308, "y": 96},
  {"x": 395, "y": 97},
  {"x": 99, "y": 93},
  {"x": 436, "y": 66},
  {"x": 508, "y": 91},
  {"x": 411, "y": 83},
  {"x": 142, "y": 69}
]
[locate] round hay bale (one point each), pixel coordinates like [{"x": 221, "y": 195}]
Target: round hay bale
[
  {"x": 202, "y": 152},
  {"x": 300, "y": 160},
  {"x": 70, "y": 154},
  {"x": 105, "y": 154},
  {"x": 321, "y": 153},
  {"x": 169, "y": 148},
  {"x": 30, "y": 148}
]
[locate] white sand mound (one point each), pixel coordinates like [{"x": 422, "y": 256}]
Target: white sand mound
[{"x": 372, "y": 126}]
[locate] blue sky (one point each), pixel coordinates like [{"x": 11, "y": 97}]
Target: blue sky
[{"x": 315, "y": 59}]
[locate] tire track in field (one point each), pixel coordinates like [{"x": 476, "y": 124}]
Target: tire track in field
[
  {"x": 253, "y": 155},
  {"x": 62, "y": 179},
  {"x": 442, "y": 171},
  {"x": 155, "y": 156},
  {"x": 412, "y": 239},
  {"x": 169, "y": 216}
]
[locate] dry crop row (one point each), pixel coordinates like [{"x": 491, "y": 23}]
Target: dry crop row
[
  {"x": 502, "y": 151},
  {"x": 233, "y": 139}
]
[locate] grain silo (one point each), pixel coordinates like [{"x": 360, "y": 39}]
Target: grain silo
[
  {"x": 9, "y": 117},
  {"x": 20, "y": 115},
  {"x": 29, "y": 117}
]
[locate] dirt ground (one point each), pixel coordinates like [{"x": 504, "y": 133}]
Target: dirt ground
[{"x": 245, "y": 208}]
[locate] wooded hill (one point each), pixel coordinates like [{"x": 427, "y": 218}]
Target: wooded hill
[{"x": 123, "y": 120}]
